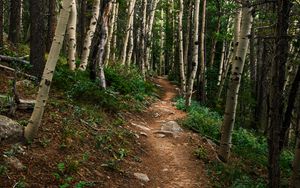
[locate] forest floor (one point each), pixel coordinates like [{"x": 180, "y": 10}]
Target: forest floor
[{"x": 77, "y": 147}]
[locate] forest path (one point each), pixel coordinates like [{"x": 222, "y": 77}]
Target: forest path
[{"x": 168, "y": 160}]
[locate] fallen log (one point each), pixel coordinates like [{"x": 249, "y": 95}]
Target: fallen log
[
  {"x": 23, "y": 74},
  {"x": 16, "y": 59}
]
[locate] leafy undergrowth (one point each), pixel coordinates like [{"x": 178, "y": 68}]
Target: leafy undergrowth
[
  {"x": 83, "y": 140},
  {"x": 248, "y": 164}
]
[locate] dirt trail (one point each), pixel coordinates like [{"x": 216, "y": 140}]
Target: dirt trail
[{"x": 169, "y": 160}]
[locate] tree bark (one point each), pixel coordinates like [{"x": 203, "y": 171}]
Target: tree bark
[
  {"x": 191, "y": 80},
  {"x": 82, "y": 27},
  {"x": 52, "y": 21},
  {"x": 37, "y": 37},
  {"x": 202, "y": 79},
  {"x": 181, "y": 55},
  {"x": 276, "y": 91},
  {"x": 128, "y": 30},
  {"x": 99, "y": 62},
  {"x": 111, "y": 31},
  {"x": 1, "y": 25},
  {"x": 43, "y": 93},
  {"x": 71, "y": 30},
  {"x": 15, "y": 22},
  {"x": 234, "y": 84},
  {"x": 89, "y": 36}
]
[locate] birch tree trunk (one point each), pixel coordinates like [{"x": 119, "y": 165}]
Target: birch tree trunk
[
  {"x": 89, "y": 36},
  {"x": 114, "y": 41},
  {"x": 99, "y": 62},
  {"x": 237, "y": 29},
  {"x": 162, "y": 43},
  {"x": 130, "y": 47},
  {"x": 202, "y": 81},
  {"x": 111, "y": 31},
  {"x": 234, "y": 84},
  {"x": 128, "y": 30},
  {"x": 214, "y": 40},
  {"x": 72, "y": 37},
  {"x": 191, "y": 80},
  {"x": 149, "y": 27},
  {"x": 43, "y": 93},
  {"x": 181, "y": 58},
  {"x": 222, "y": 63},
  {"x": 143, "y": 40}
]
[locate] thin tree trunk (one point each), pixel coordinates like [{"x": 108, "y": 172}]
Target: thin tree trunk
[
  {"x": 276, "y": 91},
  {"x": 234, "y": 84},
  {"x": 130, "y": 47},
  {"x": 162, "y": 43},
  {"x": 111, "y": 31},
  {"x": 187, "y": 33},
  {"x": 222, "y": 63},
  {"x": 149, "y": 27},
  {"x": 43, "y": 93},
  {"x": 114, "y": 42},
  {"x": 143, "y": 40},
  {"x": 181, "y": 58},
  {"x": 191, "y": 80},
  {"x": 71, "y": 29},
  {"x": 89, "y": 36},
  {"x": 82, "y": 27},
  {"x": 202, "y": 80},
  {"x": 99, "y": 62},
  {"x": 128, "y": 30}
]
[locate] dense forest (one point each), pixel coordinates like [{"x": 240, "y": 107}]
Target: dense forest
[{"x": 149, "y": 93}]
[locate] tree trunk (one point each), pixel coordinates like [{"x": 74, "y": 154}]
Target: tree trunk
[
  {"x": 111, "y": 31},
  {"x": 187, "y": 34},
  {"x": 37, "y": 37},
  {"x": 130, "y": 47},
  {"x": 99, "y": 62},
  {"x": 181, "y": 58},
  {"x": 149, "y": 27},
  {"x": 143, "y": 40},
  {"x": 71, "y": 29},
  {"x": 191, "y": 80},
  {"x": 15, "y": 22},
  {"x": 276, "y": 91},
  {"x": 128, "y": 30},
  {"x": 115, "y": 35},
  {"x": 52, "y": 21},
  {"x": 82, "y": 27},
  {"x": 202, "y": 80},
  {"x": 162, "y": 43},
  {"x": 234, "y": 84},
  {"x": 89, "y": 36},
  {"x": 43, "y": 93}
]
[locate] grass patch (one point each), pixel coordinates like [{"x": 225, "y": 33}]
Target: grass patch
[{"x": 249, "y": 150}]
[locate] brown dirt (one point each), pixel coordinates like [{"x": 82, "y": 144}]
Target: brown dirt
[{"x": 169, "y": 162}]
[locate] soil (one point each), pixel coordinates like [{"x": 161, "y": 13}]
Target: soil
[{"x": 167, "y": 159}]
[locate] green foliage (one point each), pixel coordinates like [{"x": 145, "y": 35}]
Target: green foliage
[
  {"x": 3, "y": 170},
  {"x": 126, "y": 88},
  {"x": 201, "y": 153}
]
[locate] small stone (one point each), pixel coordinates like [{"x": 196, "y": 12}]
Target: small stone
[
  {"x": 136, "y": 135},
  {"x": 165, "y": 170},
  {"x": 144, "y": 134},
  {"x": 141, "y": 127},
  {"x": 142, "y": 177},
  {"x": 160, "y": 135}
]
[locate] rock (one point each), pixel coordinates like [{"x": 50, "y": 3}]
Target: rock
[
  {"x": 144, "y": 134},
  {"x": 166, "y": 133},
  {"x": 156, "y": 115},
  {"x": 165, "y": 170},
  {"x": 167, "y": 111},
  {"x": 10, "y": 130},
  {"x": 141, "y": 127},
  {"x": 142, "y": 177},
  {"x": 15, "y": 163},
  {"x": 160, "y": 135},
  {"x": 171, "y": 126}
]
